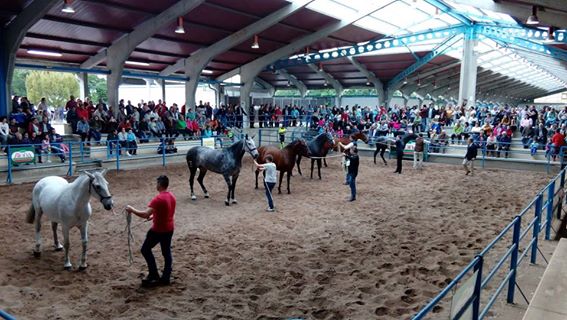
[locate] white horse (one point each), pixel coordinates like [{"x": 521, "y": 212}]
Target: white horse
[{"x": 67, "y": 204}]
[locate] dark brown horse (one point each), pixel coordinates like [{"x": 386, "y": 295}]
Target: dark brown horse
[
  {"x": 347, "y": 139},
  {"x": 318, "y": 149},
  {"x": 283, "y": 158}
]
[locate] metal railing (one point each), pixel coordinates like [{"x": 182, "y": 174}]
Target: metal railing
[
  {"x": 84, "y": 153},
  {"x": 548, "y": 200}
]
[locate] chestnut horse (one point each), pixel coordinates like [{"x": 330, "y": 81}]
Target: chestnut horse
[
  {"x": 347, "y": 139},
  {"x": 283, "y": 158}
]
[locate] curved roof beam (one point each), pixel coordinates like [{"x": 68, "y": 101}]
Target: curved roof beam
[
  {"x": 14, "y": 33},
  {"x": 378, "y": 85},
  {"x": 328, "y": 78},
  {"x": 296, "y": 82},
  {"x": 200, "y": 58},
  {"x": 268, "y": 86},
  {"x": 251, "y": 69},
  {"x": 120, "y": 49}
]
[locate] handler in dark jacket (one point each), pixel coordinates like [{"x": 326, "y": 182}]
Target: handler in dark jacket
[
  {"x": 399, "y": 154},
  {"x": 470, "y": 156},
  {"x": 352, "y": 157}
]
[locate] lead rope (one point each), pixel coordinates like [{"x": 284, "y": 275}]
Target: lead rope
[{"x": 130, "y": 236}]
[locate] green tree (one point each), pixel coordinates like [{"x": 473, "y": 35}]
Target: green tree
[
  {"x": 19, "y": 82},
  {"x": 56, "y": 87},
  {"x": 97, "y": 88}
]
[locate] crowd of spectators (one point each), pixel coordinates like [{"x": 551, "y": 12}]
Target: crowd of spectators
[{"x": 540, "y": 129}]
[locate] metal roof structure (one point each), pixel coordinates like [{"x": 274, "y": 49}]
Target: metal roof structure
[{"x": 402, "y": 45}]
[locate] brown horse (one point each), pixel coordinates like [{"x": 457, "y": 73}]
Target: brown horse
[
  {"x": 347, "y": 139},
  {"x": 284, "y": 159}
]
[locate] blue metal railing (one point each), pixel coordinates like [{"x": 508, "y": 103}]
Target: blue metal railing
[
  {"x": 6, "y": 316},
  {"x": 536, "y": 226}
]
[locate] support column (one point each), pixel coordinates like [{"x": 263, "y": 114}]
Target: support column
[
  {"x": 338, "y": 99},
  {"x": 467, "y": 84},
  {"x": 4, "y": 83},
  {"x": 162, "y": 84},
  {"x": 245, "y": 100},
  {"x": 112, "y": 83},
  {"x": 83, "y": 78},
  {"x": 193, "y": 71}
]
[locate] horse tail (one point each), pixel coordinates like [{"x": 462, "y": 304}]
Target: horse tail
[{"x": 30, "y": 216}]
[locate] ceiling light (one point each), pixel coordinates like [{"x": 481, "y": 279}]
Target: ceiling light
[
  {"x": 406, "y": 80},
  {"x": 67, "y": 8},
  {"x": 320, "y": 67},
  {"x": 532, "y": 20},
  {"x": 367, "y": 83},
  {"x": 180, "y": 28},
  {"x": 419, "y": 82},
  {"x": 205, "y": 71},
  {"x": 326, "y": 84},
  {"x": 136, "y": 63},
  {"x": 288, "y": 83},
  {"x": 44, "y": 53},
  {"x": 255, "y": 44},
  {"x": 550, "y": 35}
]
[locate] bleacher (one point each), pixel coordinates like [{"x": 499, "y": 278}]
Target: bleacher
[{"x": 548, "y": 301}]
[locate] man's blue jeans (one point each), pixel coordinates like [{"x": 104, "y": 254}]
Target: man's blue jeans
[{"x": 352, "y": 184}]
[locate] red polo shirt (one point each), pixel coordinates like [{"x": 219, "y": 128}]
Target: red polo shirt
[{"x": 164, "y": 210}]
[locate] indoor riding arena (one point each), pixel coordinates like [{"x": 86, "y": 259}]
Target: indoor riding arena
[{"x": 318, "y": 257}]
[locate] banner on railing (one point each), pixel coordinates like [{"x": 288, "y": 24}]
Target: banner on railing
[
  {"x": 462, "y": 296},
  {"x": 209, "y": 142},
  {"x": 22, "y": 155}
]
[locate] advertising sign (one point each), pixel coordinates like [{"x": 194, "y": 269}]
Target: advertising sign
[{"x": 22, "y": 155}]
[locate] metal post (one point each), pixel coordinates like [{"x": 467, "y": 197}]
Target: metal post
[
  {"x": 117, "y": 156},
  {"x": 538, "y": 206},
  {"x": 562, "y": 188},
  {"x": 549, "y": 218},
  {"x": 163, "y": 153},
  {"x": 70, "y": 171},
  {"x": 514, "y": 258},
  {"x": 9, "y": 177},
  {"x": 259, "y": 137},
  {"x": 483, "y": 155},
  {"x": 82, "y": 148},
  {"x": 477, "y": 287}
]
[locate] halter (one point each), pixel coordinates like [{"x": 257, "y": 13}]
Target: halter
[
  {"x": 101, "y": 196},
  {"x": 248, "y": 148}
]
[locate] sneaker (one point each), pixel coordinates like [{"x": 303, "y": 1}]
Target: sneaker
[
  {"x": 149, "y": 282},
  {"x": 128, "y": 154},
  {"x": 164, "y": 282},
  {"x": 270, "y": 210},
  {"x": 351, "y": 199}
]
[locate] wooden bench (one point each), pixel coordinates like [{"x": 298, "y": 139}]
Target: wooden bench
[{"x": 549, "y": 300}]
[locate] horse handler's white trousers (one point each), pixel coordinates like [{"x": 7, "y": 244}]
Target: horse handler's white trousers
[{"x": 467, "y": 164}]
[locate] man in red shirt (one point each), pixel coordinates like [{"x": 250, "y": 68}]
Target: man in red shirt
[
  {"x": 558, "y": 141},
  {"x": 161, "y": 211}
]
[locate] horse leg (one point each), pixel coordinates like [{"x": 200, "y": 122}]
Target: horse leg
[
  {"x": 67, "y": 264},
  {"x": 85, "y": 241},
  {"x": 200, "y": 178},
  {"x": 298, "y": 162},
  {"x": 319, "y": 168},
  {"x": 37, "y": 250},
  {"x": 58, "y": 246},
  {"x": 232, "y": 198},
  {"x": 288, "y": 178},
  {"x": 376, "y": 153},
  {"x": 191, "y": 180},
  {"x": 280, "y": 183},
  {"x": 228, "y": 178},
  {"x": 325, "y": 162},
  {"x": 382, "y": 155},
  {"x": 312, "y": 166},
  {"x": 256, "y": 173}
]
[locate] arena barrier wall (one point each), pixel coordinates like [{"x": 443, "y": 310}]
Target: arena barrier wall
[{"x": 473, "y": 292}]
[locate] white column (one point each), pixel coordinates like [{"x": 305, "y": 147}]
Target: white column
[
  {"x": 467, "y": 84},
  {"x": 83, "y": 85}
]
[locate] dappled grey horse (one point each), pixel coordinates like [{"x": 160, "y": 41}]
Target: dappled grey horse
[{"x": 226, "y": 162}]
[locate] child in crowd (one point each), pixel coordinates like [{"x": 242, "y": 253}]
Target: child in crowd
[
  {"x": 45, "y": 147},
  {"x": 533, "y": 148}
]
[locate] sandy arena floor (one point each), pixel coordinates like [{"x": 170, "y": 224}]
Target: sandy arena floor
[{"x": 319, "y": 257}]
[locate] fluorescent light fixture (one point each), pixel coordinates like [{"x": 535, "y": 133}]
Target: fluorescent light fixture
[
  {"x": 67, "y": 8},
  {"x": 255, "y": 44},
  {"x": 44, "y": 53},
  {"x": 205, "y": 71},
  {"x": 136, "y": 63},
  {"x": 533, "y": 19},
  {"x": 179, "y": 28}
]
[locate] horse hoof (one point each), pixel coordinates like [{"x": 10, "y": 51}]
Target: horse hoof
[
  {"x": 206, "y": 195},
  {"x": 68, "y": 268},
  {"x": 193, "y": 198},
  {"x": 227, "y": 203},
  {"x": 37, "y": 254},
  {"x": 81, "y": 268}
]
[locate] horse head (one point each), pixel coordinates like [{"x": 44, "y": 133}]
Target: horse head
[
  {"x": 360, "y": 136},
  {"x": 299, "y": 147},
  {"x": 98, "y": 186},
  {"x": 250, "y": 146},
  {"x": 329, "y": 140}
]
